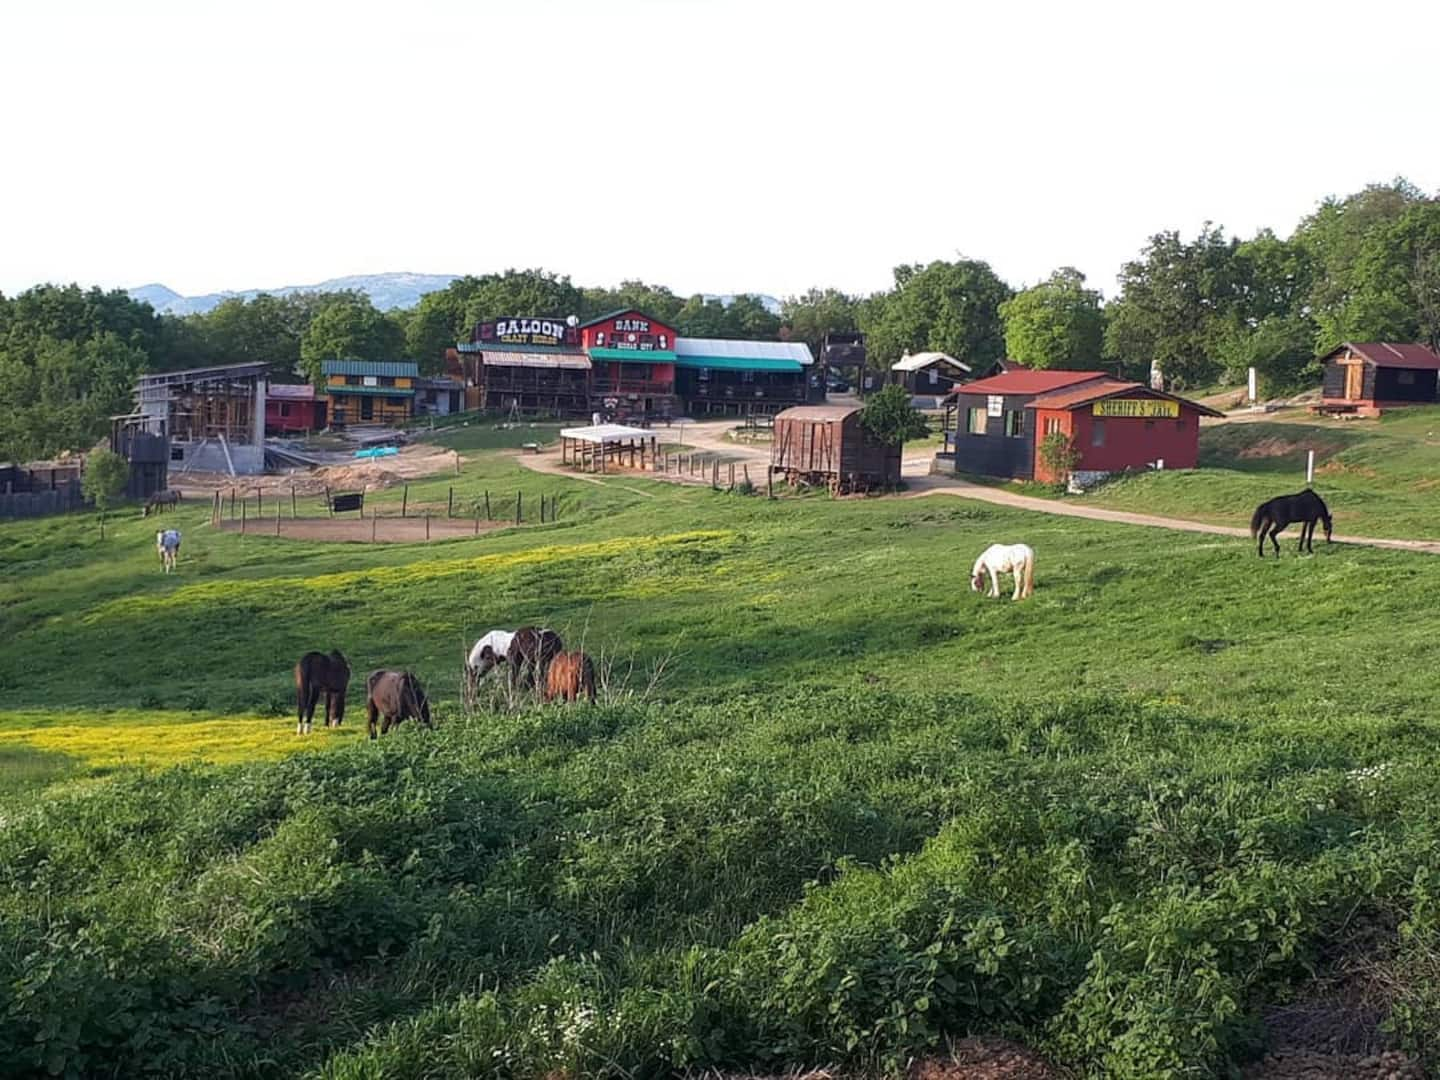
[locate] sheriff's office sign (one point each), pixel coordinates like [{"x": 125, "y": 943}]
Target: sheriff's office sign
[
  {"x": 519, "y": 331},
  {"x": 1146, "y": 407}
]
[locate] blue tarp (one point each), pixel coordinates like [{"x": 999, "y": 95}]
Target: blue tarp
[{"x": 378, "y": 451}]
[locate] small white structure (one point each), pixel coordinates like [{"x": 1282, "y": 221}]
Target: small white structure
[{"x": 590, "y": 447}]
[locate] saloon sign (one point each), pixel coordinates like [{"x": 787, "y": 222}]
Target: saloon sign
[
  {"x": 532, "y": 331},
  {"x": 1146, "y": 407}
]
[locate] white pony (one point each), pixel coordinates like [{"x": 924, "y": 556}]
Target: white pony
[
  {"x": 490, "y": 651},
  {"x": 997, "y": 559},
  {"x": 167, "y": 542}
]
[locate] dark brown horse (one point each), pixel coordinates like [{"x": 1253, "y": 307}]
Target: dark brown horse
[
  {"x": 530, "y": 653},
  {"x": 317, "y": 673},
  {"x": 571, "y": 674},
  {"x": 161, "y": 500},
  {"x": 1271, "y": 518},
  {"x": 395, "y": 696}
]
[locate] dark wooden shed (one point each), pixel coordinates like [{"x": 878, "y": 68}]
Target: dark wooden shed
[
  {"x": 1370, "y": 377},
  {"x": 827, "y": 444}
]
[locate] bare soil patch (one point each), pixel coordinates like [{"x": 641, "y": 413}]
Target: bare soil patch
[
  {"x": 1275, "y": 446},
  {"x": 413, "y": 461},
  {"x": 380, "y": 530}
]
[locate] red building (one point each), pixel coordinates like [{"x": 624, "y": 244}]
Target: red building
[
  {"x": 290, "y": 409},
  {"x": 632, "y": 359},
  {"x": 995, "y": 426}
]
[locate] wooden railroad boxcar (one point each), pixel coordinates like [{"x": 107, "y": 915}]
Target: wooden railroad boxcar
[{"x": 827, "y": 444}]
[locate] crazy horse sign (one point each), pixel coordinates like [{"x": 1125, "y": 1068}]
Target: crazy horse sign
[{"x": 534, "y": 331}]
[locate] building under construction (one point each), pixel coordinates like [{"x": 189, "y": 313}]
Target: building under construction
[{"x": 211, "y": 419}]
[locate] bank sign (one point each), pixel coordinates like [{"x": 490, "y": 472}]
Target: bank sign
[
  {"x": 527, "y": 331},
  {"x": 1146, "y": 407}
]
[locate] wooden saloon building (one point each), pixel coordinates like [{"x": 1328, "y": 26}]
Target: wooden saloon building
[
  {"x": 1368, "y": 378},
  {"x": 626, "y": 364},
  {"x": 994, "y": 426}
]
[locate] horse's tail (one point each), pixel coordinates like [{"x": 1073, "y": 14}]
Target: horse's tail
[{"x": 1257, "y": 519}]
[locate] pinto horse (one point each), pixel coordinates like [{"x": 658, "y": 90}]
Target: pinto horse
[
  {"x": 167, "y": 543},
  {"x": 571, "y": 674},
  {"x": 395, "y": 696},
  {"x": 1271, "y": 518},
  {"x": 997, "y": 559},
  {"x": 318, "y": 673}
]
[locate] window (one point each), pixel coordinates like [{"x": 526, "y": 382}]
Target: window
[
  {"x": 394, "y": 401},
  {"x": 975, "y": 421},
  {"x": 1405, "y": 377},
  {"x": 387, "y": 380},
  {"x": 1097, "y": 433},
  {"x": 934, "y": 376},
  {"x": 1053, "y": 426},
  {"x": 1014, "y": 423},
  {"x": 284, "y": 408}
]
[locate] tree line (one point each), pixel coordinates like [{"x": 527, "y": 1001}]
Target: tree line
[{"x": 1204, "y": 308}]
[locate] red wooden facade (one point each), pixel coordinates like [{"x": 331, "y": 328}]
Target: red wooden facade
[{"x": 293, "y": 409}]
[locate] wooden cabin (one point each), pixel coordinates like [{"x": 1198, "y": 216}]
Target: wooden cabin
[
  {"x": 929, "y": 374},
  {"x": 370, "y": 391},
  {"x": 827, "y": 444},
  {"x": 1370, "y": 377}
]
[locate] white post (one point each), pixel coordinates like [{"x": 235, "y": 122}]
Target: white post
[
  {"x": 1309, "y": 467},
  {"x": 1160, "y": 465},
  {"x": 1252, "y": 386}
]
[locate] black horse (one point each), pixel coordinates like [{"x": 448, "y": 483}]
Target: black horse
[{"x": 1271, "y": 518}]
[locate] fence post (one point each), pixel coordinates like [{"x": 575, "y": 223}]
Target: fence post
[
  {"x": 259, "y": 504},
  {"x": 487, "y": 507},
  {"x": 328, "y": 504},
  {"x": 277, "y": 517},
  {"x": 292, "y": 501},
  {"x": 244, "y": 504},
  {"x": 372, "y": 524},
  {"x": 232, "y": 504},
  {"x": 519, "y": 515},
  {"x": 457, "y": 462},
  {"x": 450, "y": 504},
  {"x": 715, "y": 474},
  {"x": 477, "y": 519},
  {"x": 732, "y": 477},
  {"x": 427, "y": 524},
  {"x": 747, "y": 477},
  {"x": 769, "y": 483},
  {"x": 404, "y": 500}
]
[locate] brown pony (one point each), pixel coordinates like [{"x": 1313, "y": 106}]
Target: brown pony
[
  {"x": 396, "y": 696},
  {"x": 571, "y": 674},
  {"x": 318, "y": 673},
  {"x": 530, "y": 653}
]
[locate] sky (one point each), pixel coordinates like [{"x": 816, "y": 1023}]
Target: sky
[{"x": 708, "y": 146}]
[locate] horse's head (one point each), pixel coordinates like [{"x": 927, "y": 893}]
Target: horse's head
[
  {"x": 1325, "y": 520},
  {"x": 421, "y": 702},
  {"x": 484, "y": 662},
  {"x": 977, "y": 582}
]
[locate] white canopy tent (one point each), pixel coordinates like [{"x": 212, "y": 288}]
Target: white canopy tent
[{"x": 589, "y": 447}]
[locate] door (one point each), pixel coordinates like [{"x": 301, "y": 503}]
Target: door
[
  {"x": 1354, "y": 381},
  {"x": 367, "y": 408}
]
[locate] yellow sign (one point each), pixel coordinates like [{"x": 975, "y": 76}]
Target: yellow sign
[{"x": 1136, "y": 407}]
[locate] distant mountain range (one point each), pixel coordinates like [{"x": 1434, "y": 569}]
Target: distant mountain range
[{"x": 386, "y": 291}]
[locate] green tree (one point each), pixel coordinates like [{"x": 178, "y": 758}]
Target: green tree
[
  {"x": 104, "y": 478},
  {"x": 1394, "y": 285},
  {"x": 951, "y": 307},
  {"x": 890, "y": 418},
  {"x": 819, "y": 312},
  {"x": 1177, "y": 302},
  {"x": 655, "y": 300},
  {"x": 348, "y": 329},
  {"x": 1056, "y": 324},
  {"x": 522, "y": 292}
]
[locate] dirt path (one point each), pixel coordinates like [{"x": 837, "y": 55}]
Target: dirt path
[{"x": 922, "y": 486}]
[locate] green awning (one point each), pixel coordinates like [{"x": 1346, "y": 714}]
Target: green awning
[
  {"x": 634, "y": 356},
  {"x": 740, "y": 363},
  {"x": 375, "y": 391}
]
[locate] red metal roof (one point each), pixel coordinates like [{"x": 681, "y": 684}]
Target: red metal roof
[
  {"x": 1083, "y": 395},
  {"x": 1393, "y": 354},
  {"x": 1024, "y": 381},
  {"x": 1079, "y": 395}
]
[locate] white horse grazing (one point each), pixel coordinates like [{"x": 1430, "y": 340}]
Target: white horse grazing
[
  {"x": 167, "y": 542},
  {"x": 997, "y": 559}
]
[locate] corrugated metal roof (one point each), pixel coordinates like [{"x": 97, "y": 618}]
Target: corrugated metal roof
[
  {"x": 817, "y": 412},
  {"x": 291, "y": 391},
  {"x": 1029, "y": 382},
  {"x": 1083, "y": 395},
  {"x": 797, "y": 351},
  {"x": 1394, "y": 354},
  {"x": 922, "y": 360},
  {"x": 549, "y": 361},
  {"x": 392, "y": 368},
  {"x": 605, "y": 433}
]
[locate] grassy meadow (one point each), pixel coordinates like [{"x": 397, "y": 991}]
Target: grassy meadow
[
  {"x": 834, "y": 807},
  {"x": 1379, "y": 477}
]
